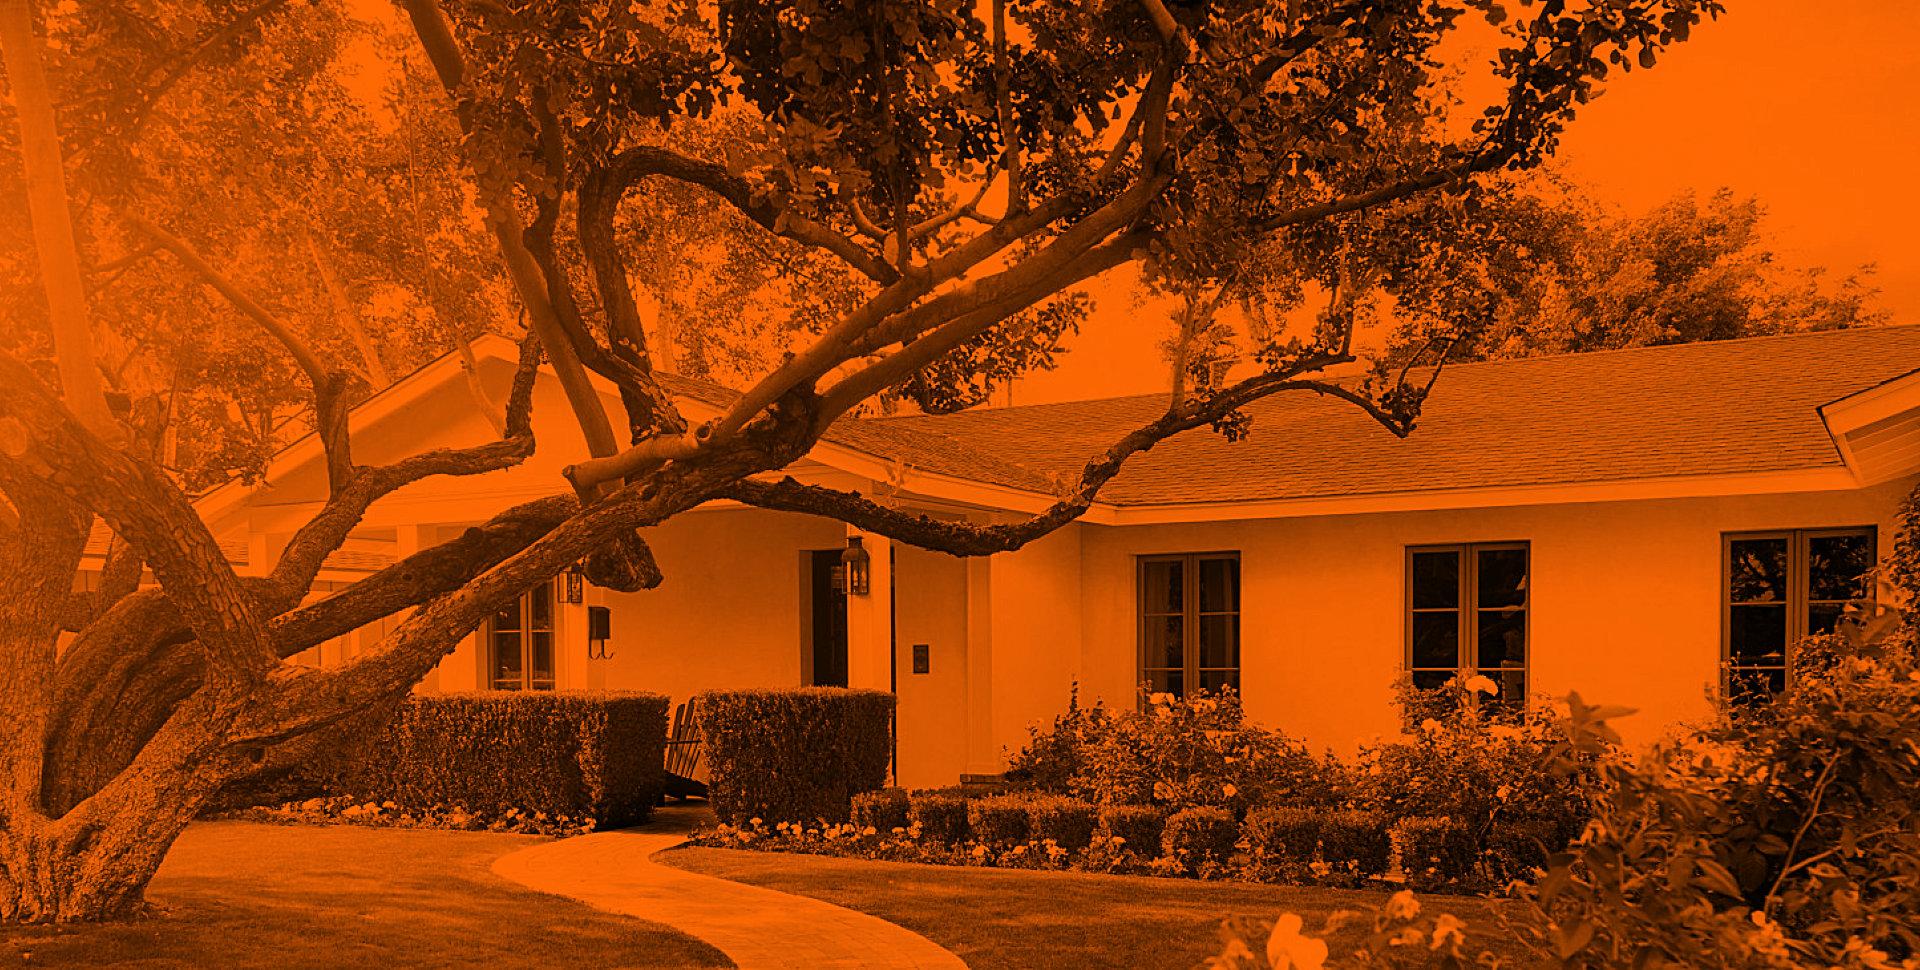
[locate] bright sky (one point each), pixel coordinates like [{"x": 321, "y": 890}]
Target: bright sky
[{"x": 1813, "y": 106}]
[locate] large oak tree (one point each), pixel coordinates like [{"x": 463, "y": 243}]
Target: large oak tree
[{"x": 941, "y": 166}]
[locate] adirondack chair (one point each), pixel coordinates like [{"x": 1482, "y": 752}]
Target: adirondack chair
[{"x": 686, "y": 755}]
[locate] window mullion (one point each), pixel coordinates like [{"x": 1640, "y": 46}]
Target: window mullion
[
  {"x": 1465, "y": 653},
  {"x": 1190, "y": 625}
]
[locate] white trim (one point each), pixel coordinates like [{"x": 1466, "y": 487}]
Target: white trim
[{"x": 1878, "y": 402}]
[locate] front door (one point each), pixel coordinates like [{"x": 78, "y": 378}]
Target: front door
[{"x": 829, "y": 620}]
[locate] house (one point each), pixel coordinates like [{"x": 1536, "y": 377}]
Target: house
[{"x": 1643, "y": 526}]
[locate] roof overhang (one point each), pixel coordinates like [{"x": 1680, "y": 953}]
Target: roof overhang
[{"x": 1878, "y": 430}]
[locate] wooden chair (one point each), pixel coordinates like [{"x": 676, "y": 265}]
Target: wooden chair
[{"x": 686, "y": 755}]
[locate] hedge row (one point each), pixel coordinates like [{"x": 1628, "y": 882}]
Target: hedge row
[
  {"x": 560, "y": 752},
  {"x": 1433, "y": 853},
  {"x": 794, "y": 754}
]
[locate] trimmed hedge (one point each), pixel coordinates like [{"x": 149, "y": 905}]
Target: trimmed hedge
[
  {"x": 559, "y": 752},
  {"x": 941, "y": 815},
  {"x": 794, "y": 754},
  {"x": 1139, "y": 827},
  {"x": 1288, "y": 836},
  {"x": 883, "y": 810},
  {"x": 1356, "y": 839},
  {"x": 1200, "y": 835},
  {"x": 1434, "y": 852},
  {"x": 999, "y": 819},
  {"x": 1069, "y": 822},
  {"x": 1516, "y": 848}
]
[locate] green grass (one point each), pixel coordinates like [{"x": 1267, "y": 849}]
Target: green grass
[
  {"x": 245, "y": 895},
  {"x": 1008, "y": 919}
]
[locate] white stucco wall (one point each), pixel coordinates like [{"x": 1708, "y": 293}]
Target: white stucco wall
[
  {"x": 930, "y": 607},
  {"x": 1625, "y": 601}
]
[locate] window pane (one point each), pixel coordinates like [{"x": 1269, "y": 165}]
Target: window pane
[
  {"x": 1822, "y": 618},
  {"x": 1837, "y": 567},
  {"x": 508, "y": 616},
  {"x": 1436, "y": 640},
  {"x": 1219, "y": 585},
  {"x": 1512, "y": 678},
  {"x": 1503, "y": 637},
  {"x": 1502, "y": 578},
  {"x": 1216, "y": 679},
  {"x": 1758, "y": 635},
  {"x": 1166, "y": 681},
  {"x": 506, "y": 657},
  {"x": 542, "y": 657},
  {"x": 540, "y": 599},
  {"x": 1165, "y": 640},
  {"x": 1431, "y": 679},
  {"x": 1219, "y": 641},
  {"x": 1757, "y": 572},
  {"x": 1436, "y": 580},
  {"x": 1162, "y": 587}
]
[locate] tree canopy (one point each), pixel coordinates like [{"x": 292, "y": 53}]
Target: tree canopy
[{"x": 918, "y": 186}]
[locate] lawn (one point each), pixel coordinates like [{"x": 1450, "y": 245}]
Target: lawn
[
  {"x": 1007, "y": 919},
  {"x": 242, "y": 895}
]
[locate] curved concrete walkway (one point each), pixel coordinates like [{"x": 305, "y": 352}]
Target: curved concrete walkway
[{"x": 759, "y": 929}]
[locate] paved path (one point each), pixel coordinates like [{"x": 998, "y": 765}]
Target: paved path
[{"x": 759, "y": 929}]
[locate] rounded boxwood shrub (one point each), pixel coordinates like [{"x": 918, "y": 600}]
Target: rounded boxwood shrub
[
  {"x": 1200, "y": 835},
  {"x": 794, "y": 754},
  {"x": 1357, "y": 842},
  {"x": 1138, "y": 827},
  {"x": 999, "y": 819},
  {"x": 941, "y": 816},
  {"x": 1289, "y": 837},
  {"x": 1435, "y": 852},
  {"x": 883, "y": 810},
  {"x": 1069, "y": 822}
]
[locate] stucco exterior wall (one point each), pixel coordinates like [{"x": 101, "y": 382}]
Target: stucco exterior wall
[
  {"x": 1036, "y": 637},
  {"x": 1625, "y": 601},
  {"x": 728, "y": 613},
  {"x": 930, "y": 607}
]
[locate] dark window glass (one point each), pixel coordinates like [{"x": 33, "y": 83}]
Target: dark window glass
[
  {"x": 1436, "y": 640},
  {"x": 1501, "y": 578},
  {"x": 1436, "y": 580},
  {"x": 1784, "y": 586},
  {"x": 1190, "y": 622},
  {"x": 520, "y": 641},
  {"x": 1468, "y": 608}
]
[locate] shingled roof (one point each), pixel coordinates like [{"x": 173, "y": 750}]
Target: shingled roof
[{"x": 1723, "y": 407}]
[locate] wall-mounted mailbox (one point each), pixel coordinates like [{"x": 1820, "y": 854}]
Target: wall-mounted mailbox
[
  {"x": 921, "y": 658},
  {"x": 599, "y": 623}
]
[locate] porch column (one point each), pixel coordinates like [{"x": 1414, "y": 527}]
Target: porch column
[
  {"x": 870, "y": 619},
  {"x": 983, "y": 757}
]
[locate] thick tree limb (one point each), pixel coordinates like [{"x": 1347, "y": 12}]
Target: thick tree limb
[
  {"x": 36, "y": 571},
  {"x": 148, "y": 510},
  {"x": 641, "y": 161},
  {"x": 649, "y": 407},
  {"x": 52, "y": 226}
]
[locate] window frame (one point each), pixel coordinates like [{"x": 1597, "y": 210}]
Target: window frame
[
  {"x": 1799, "y": 591},
  {"x": 526, "y": 633},
  {"x": 1467, "y": 600},
  {"x": 1190, "y": 614}
]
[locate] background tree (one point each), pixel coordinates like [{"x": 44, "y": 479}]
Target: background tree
[{"x": 957, "y": 164}]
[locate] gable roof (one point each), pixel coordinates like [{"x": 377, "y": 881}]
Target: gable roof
[{"x": 1719, "y": 408}]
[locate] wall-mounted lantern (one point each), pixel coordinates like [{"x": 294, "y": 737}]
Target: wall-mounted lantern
[
  {"x": 859, "y": 567},
  {"x": 573, "y": 584}
]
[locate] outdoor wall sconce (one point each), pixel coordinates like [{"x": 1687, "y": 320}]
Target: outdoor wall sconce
[
  {"x": 573, "y": 584},
  {"x": 859, "y": 567}
]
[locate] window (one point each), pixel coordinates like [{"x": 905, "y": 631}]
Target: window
[
  {"x": 1780, "y": 587},
  {"x": 1467, "y": 608},
  {"x": 1190, "y": 622},
  {"x": 519, "y": 642}
]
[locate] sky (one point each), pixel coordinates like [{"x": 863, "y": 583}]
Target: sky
[{"x": 1813, "y": 106}]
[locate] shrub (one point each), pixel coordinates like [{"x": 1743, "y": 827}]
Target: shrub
[
  {"x": 941, "y": 816},
  {"x": 1287, "y": 836},
  {"x": 1356, "y": 841},
  {"x": 796, "y": 754},
  {"x": 999, "y": 819},
  {"x": 1435, "y": 852},
  {"x": 1179, "y": 753},
  {"x": 1069, "y": 822},
  {"x": 883, "y": 810},
  {"x": 1197, "y": 836},
  {"x": 1138, "y": 827},
  {"x": 598, "y": 753},
  {"x": 1055, "y": 757},
  {"x": 1515, "y": 849}
]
